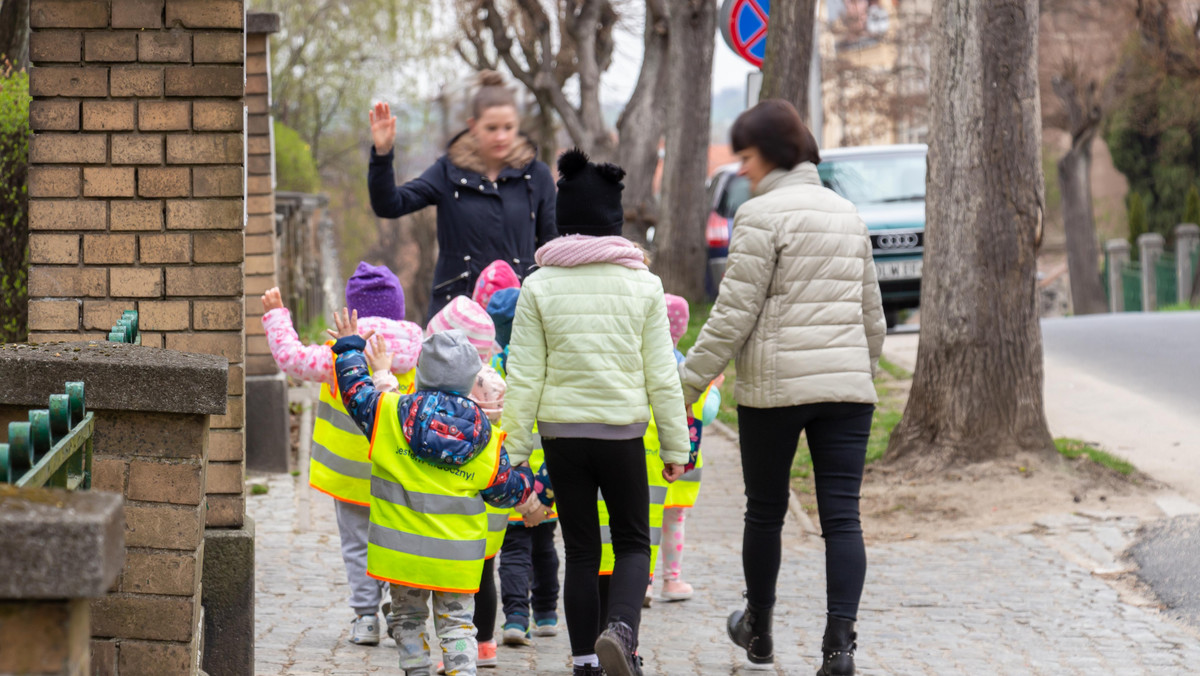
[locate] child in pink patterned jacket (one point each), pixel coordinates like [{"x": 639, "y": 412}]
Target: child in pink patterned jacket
[{"x": 374, "y": 293}]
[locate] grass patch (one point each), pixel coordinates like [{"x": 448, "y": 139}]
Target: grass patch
[
  {"x": 259, "y": 489},
  {"x": 897, "y": 372},
  {"x": 696, "y": 318},
  {"x": 1178, "y": 307},
  {"x": 295, "y": 472},
  {"x": 1074, "y": 448}
]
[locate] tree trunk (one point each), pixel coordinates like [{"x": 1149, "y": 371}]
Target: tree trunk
[
  {"x": 977, "y": 390},
  {"x": 640, "y": 127},
  {"x": 789, "y": 53},
  {"x": 1083, "y": 253},
  {"x": 14, "y": 32},
  {"x": 680, "y": 257}
]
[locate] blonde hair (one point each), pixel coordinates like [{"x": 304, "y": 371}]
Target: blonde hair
[{"x": 492, "y": 93}]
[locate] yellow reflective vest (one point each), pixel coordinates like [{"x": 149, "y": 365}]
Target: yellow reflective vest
[
  {"x": 429, "y": 525},
  {"x": 338, "y": 465},
  {"x": 658, "y": 495},
  {"x": 686, "y": 489}
]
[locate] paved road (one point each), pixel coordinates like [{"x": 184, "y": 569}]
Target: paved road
[
  {"x": 1167, "y": 554},
  {"x": 1156, "y": 355},
  {"x": 1026, "y": 600}
]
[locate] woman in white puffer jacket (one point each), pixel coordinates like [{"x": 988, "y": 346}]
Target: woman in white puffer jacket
[{"x": 799, "y": 310}]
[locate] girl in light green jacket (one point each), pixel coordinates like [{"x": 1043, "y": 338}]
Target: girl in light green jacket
[{"x": 590, "y": 354}]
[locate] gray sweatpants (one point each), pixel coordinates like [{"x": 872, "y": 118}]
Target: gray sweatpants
[
  {"x": 366, "y": 593},
  {"x": 453, "y": 618}
]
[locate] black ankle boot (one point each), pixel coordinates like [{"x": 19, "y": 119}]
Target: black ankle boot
[
  {"x": 838, "y": 647},
  {"x": 617, "y": 650},
  {"x": 751, "y": 629}
]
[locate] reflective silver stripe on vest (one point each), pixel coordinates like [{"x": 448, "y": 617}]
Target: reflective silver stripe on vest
[
  {"x": 658, "y": 495},
  {"x": 497, "y": 522},
  {"x": 350, "y": 468},
  {"x": 336, "y": 418},
  {"x": 693, "y": 475},
  {"x": 425, "y": 546},
  {"x": 655, "y": 536},
  {"x": 425, "y": 503}
]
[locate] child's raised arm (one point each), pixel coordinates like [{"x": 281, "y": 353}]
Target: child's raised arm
[
  {"x": 359, "y": 395},
  {"x": 313, "y": 363}
]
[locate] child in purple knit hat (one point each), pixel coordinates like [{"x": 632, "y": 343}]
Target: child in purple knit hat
[{"x": 375, "y": 291}]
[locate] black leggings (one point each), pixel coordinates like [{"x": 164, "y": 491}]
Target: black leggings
[
  {"x": 485, "y": 603},
  {"x": 837, "y": 439},
  {"x": 578, "y": 467}
]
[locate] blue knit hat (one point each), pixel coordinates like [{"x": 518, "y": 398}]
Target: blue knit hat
[
  {"x": 501, "y": 309},
  {"x": 375, "y": 291}
]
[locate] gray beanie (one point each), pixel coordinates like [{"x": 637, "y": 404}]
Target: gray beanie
[{"x": 448, "y": 362}]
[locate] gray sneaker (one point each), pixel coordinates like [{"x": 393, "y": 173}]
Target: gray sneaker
[{"x": 364, "y": 630}]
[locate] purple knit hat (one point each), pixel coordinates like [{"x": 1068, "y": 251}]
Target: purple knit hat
[{"x": 375, "y": 291}]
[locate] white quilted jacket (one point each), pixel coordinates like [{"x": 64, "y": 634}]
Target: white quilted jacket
[{"x": 799, "y": 308}]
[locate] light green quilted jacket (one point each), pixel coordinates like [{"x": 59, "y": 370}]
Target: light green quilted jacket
[{"x": 590, "y": 344}]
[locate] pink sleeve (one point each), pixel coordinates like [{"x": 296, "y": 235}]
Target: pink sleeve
[{"x": 305, "y": 362}]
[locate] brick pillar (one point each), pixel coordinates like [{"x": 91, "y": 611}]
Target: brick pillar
[
  {"x": 153, "y": 409},
  {"x": 136, "y": 188},
  {"x": 267, "y": 440}
]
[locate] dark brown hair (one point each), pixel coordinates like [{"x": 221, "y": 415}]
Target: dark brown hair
[
  {"x": 492, "y": 93},
  {"x": 775, "y": 128}
]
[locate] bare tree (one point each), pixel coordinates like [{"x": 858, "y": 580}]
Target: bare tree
[
  {"x": 789, "y": 53},
  {"x": 640, "y": 127},
  {"x": 977, "y": 391},
  {"x": 14, "y": 32},
  {"x": 680, "y": 242},
  {"x": 1082, "y": 107},
  {"x": 544, "y": 50}
]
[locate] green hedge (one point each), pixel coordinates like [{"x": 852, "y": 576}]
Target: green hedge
[
  {"x": 14, "y": 202},
  {"x": 295, "y": 168}
]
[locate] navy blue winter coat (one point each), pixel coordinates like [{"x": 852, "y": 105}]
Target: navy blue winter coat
[{"x": 478, "y": 221}]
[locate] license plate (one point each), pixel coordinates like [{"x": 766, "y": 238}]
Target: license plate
[{"x": 898, "y": 269}]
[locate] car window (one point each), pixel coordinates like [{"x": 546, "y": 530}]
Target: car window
[
  {"x": 737, "y": 191},
  {"x": 879, "y": 179}
]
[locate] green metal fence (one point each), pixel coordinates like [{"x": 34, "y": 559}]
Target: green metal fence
[
  {"x": 54, "y": 448},
  {"x": 1131, "y": 286},
  {"x": 1166, "y": 284},
  {"x": 126, "y": 329}
]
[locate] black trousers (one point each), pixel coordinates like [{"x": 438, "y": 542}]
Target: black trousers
[
  {"x": 528, "y": 561},
  {"x": 837, "y": 436},
  {"x": 578, "y": 468},
  {"x": 485, "y": 603}
]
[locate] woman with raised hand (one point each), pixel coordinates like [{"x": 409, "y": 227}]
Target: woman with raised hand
[{"x": 495, "y": 200}]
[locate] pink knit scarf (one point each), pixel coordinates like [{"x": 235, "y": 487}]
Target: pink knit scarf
[{"x": 572, "y": 250}]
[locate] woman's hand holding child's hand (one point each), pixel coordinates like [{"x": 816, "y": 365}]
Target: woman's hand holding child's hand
[
  {"x": 346, "y": 323},
  {"x": 533, "y": 511},
  {"x": 379, "y": 357},
  {"x": 272, "y": 300}
]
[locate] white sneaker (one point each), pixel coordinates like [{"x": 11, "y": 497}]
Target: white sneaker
[
  {"x": 550, "y": 628},
  {"x": 364, "y": 630}
]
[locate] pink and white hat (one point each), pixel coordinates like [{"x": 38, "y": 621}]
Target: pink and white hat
[
  {"x": 677, "y": 316},
  {"x": 466, "y": 315},
  {"x": 497, "y": 275}
]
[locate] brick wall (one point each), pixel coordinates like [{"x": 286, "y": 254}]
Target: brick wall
[
  {"x": 262, "y": 255},
  {"x": 136, "y": 188}
]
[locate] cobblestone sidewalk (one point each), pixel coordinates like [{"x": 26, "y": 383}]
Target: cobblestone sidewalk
[{"x": 1029, "y": 600}]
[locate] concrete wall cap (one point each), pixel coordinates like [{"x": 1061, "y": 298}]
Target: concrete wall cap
[
  {"x": 262, "y": 22},
  {"x": 58, "y": 544},
  {"x": 116, "y": 376}
]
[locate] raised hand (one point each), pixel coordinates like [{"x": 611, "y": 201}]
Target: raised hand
[
  {"x": 383, "y": 128},
  {"x": 379, "y": 358},
  {"x": 272, "y": 300},
  {"x": 346, "y": 323}
]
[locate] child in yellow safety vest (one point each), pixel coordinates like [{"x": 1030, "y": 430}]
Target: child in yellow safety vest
[
  {"x": 338, "y": 464},
  {"x": 528, "y": 559},
  {"x": 466, "y": 315},
  {"x": 681, "y": 495},
  {"x": 435, "y": 461}
]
